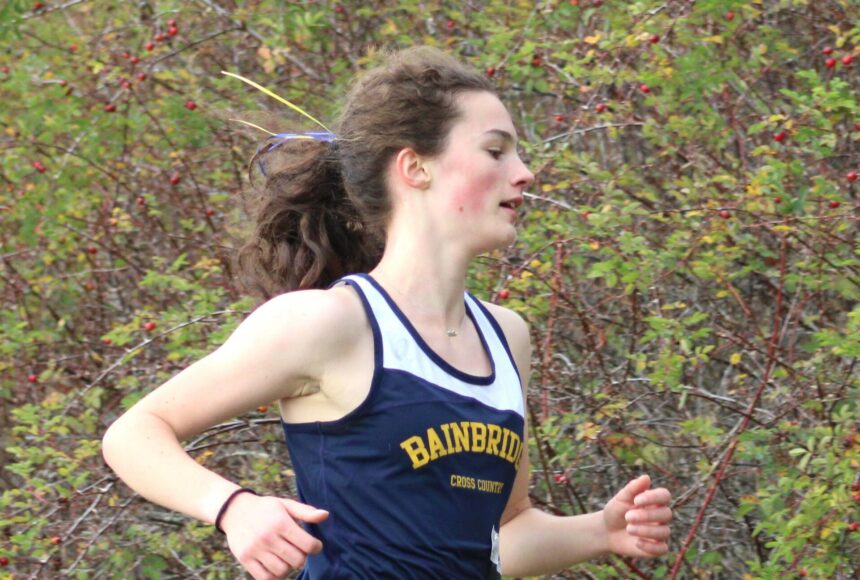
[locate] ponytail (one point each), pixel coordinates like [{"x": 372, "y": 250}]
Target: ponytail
[{"x": 308, "y": 233}]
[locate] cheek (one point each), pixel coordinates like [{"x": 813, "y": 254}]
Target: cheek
[{"x": 470, "y": 194}]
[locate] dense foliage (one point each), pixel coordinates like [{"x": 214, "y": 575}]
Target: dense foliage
[{"x": 688, "y": 262}]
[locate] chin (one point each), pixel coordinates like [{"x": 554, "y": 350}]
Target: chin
[{"x": 499, "y": 243}]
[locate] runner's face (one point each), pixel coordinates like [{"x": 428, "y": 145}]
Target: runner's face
[{"x": 479, "y": 178}]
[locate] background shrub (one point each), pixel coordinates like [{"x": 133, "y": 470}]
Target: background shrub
[{"x": 688, "y": 259}]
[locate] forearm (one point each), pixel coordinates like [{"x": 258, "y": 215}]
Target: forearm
[
  {"x": 144, "y": 452},
  {"x": 536, "y": 543}
]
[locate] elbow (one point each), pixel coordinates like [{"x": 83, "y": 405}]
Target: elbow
[{"x": 110, "y": 440}]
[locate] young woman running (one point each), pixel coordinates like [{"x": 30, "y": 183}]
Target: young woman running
[{"x": 402, "y": 395}]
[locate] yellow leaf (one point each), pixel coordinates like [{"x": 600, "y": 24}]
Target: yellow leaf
[
  {"x": 201, "y": 459},
  {"x": 389, "y": 27},
  {"x": 265, "y": 52},
  {"x": 547, "y": 187},
  {"x": 775, "y": 118},
  {"x": 762, "y": 48},
  {"x": 735, "y": 359},
  {"x": 595, "y": 245},
  {"x": 717, "y": 39},
  {"x": 535, "y": 263},
  {"x": 592, "y": 39},
  {"x": 783, "y": 228}
]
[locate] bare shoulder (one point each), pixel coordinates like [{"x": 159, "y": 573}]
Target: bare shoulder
[
  {"x": 335, "y": 316},
  {"x": 515, "y": 328}
]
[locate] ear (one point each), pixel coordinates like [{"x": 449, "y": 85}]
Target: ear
[{"x": 411, "y": 169}]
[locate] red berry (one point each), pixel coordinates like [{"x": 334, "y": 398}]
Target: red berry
[
  {"x": 56, "y": 540},
  {"x": 857, "y": 126},
  {"x": 32, "y": 378},
  {"x": 503, "y": 294},
  {"x": 853, "y": 527},
  {"x": 210, "y": 212},
  {"x": 37, "y": 165},
  {"x": 125, "y": 84},
  {"x": 802, "y": 572},
  {"x": 149, "y": 326},
  {"x": 92, "y": 250},
  {"x": 450, "y": 24},
  {"x": 828, "y": 50},
  {"x": 262, "y": 409},
  {"x": 780, "y": 137},
  {"x": 855, "y": 486},
  {"x": 175, "y": 178},
  {"x": 492, "y": 71},
  {"x": 141, "y": 77},
  {"x": 190, "y": 105},
  {"x": 559, "y": 118},
  {"x": 110, "y": 108},
  {"x": 4, "y": 69},
  {"x": 856, "y": 497},
  {"x": 654, "y": 39},
  {"x": 644, "y": 88},
  {"x": 126, "y": 55},
  {"x": 172, "y": 31},
  {"x": 38, "y": 6},
  {"x": 134, "y": 60},
  {"x": 725, "y": 214},
  {"x": 63, "y": 82},
  {"x": 847, "y": 60},
  {"x": 73, "y": 48},
  {"x": 777, "y": 200},
  {"x": 597, "y": 3},
  {"x": 141, "y": 201},
  {"x": 159, "y": 37},
  {"x": 851, "y": 176},
  {"x": 537, "y": 61},
  {"x": 585, "y": 214},
  {"x": 834, "y": 204},
  {"x": 600, "y": 107},
  {"x": 730, "y": 15},
  {"x": 171, "y": 22},
  {"x": 4, "y": 561},
  {"x": 830, "y": 62},
  {"x": 560, "y": 478},
  {"x": 106, "y": 340},
  {"x": 149, "y": 46}
]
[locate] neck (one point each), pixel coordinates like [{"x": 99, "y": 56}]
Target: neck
[{"x": 426, "y": 277}]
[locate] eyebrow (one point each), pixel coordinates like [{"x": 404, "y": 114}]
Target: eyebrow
[{"x": 503, "y": 134}]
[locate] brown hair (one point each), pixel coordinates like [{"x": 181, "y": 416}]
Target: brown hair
[{"x": 324, "y": 207}]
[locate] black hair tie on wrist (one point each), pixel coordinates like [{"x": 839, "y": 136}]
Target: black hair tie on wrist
[{"x": 226, "y": 504}]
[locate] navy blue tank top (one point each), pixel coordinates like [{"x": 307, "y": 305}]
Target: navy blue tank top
[{"x": 416, "y": 478}]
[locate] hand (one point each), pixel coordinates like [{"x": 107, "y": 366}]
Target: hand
[
  {"x": 264, "y": 535},
  {"x": 636, "y": 520}
]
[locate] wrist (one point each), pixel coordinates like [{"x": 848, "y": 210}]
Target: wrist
[
  {"x": 231, "y": 499},
  {"x": 602, "y": 541}
]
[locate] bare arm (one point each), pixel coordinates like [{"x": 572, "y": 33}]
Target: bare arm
[
  {"x": 283, "y": 343},
  {"x": 534, "y": 543}
]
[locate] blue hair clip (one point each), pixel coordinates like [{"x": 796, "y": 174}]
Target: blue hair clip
[{"x": 281, "y": 138}]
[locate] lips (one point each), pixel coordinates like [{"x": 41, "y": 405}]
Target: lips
[{"x": 512, "y": 203}]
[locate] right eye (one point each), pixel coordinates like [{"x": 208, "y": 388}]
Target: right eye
[{"x": 496, "y": 153}]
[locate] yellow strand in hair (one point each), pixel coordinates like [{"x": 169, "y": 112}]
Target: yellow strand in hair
[
  {"x": 254, "y": 126},
  {"x": 274, "y": 96}
]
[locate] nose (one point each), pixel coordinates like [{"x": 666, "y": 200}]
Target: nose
[{"x": 523, "y": 177}]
